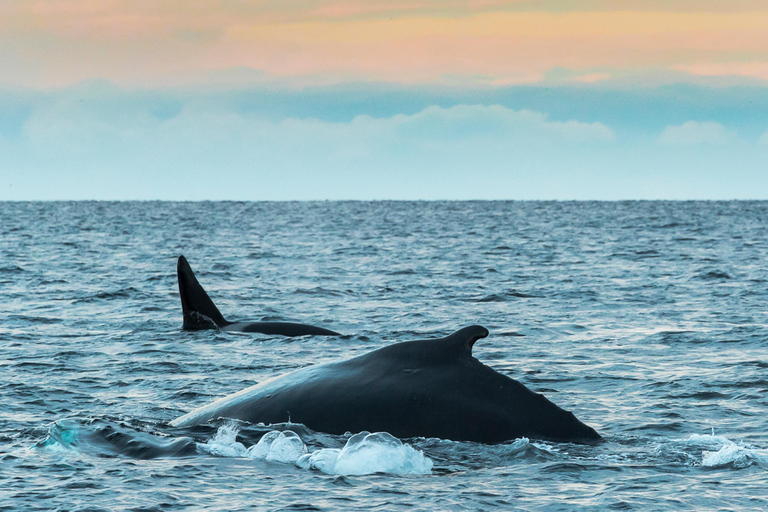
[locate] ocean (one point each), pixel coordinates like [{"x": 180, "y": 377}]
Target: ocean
[{"x": 648, "y": 320}]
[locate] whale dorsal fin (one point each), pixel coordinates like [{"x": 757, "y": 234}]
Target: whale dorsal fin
[
  {"x": 195, "y": 303},
  {"x": 463, "y": 339}
]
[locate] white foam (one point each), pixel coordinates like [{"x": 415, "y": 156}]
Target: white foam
[
  {"x": 731, "y": 454},
  {"x": 364, "y": 453},
  {"x": 721, "y": 451},
  {"x": 708, "y": 441}
]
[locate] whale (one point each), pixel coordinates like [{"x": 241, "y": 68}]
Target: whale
[
  {"x": 201, "y": 313},
  {"x": 424, "y": 388}
]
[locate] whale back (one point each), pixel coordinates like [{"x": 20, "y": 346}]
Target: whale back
[
  {"x": 450, "y": 394},
  {"x": 423, "y": 388}
]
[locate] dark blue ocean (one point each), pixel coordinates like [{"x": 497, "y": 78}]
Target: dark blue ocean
[{"x": 648, "y": 320}]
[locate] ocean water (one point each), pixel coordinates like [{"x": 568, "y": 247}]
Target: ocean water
[{"x": 648, "y": 320}]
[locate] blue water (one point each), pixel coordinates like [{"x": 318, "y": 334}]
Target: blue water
[{"x": 648, "y": 320}]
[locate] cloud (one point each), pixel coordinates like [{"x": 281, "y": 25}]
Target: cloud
[
  {"x": 470, "y": 122},
  {"x": 694, "y": 133},
  {"x": 592, "y": 78},
  {"x": 93, "y": 142},
  {"x": 742, "y": 69},
  {"x": 49, "y": 43},
  {"x": 212, "y": 132},
  {"x": 100, "y": 141}
]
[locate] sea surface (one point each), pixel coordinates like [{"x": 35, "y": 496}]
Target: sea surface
[{"x": 648, "y": 320}]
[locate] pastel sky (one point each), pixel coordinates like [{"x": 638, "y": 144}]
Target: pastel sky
[{"x": 383, "y": 99}]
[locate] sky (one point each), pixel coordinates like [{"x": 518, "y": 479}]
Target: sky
[{"x": 383, "y": 99}]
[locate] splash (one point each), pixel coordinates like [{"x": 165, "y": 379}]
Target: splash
[
  {"x": 363, "y": 454},
  {"x": 722, "y": 452},
  {"x": 275, "y": 446},
  {"x": 63, "y": 435},
  {"x": 367, "y": 453},
  {"x": 224, "y": 443}
]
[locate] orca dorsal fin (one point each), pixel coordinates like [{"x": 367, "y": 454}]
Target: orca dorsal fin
[
  {"x": 463, "y": 339},
  {"x": 195, "y": 303}
]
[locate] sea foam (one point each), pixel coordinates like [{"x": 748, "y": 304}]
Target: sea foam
[{"x": 719, "y": 451}]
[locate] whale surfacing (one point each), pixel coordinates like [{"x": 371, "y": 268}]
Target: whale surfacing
[
  {"x": 425, "y": 388},
  {"x": 201, "y": 313}
]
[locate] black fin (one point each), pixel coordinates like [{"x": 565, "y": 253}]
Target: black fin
[
  {"x": 199, "y": 310},
  {"x": 465, "y": 338}
]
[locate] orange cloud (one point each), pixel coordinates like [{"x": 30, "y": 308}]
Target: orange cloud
[
  {"x": 592, "y": 78},
  {"x": 52, "y": 43},
  {"x": 495, "y": 44},
  {"x": 745, "y": 69}
]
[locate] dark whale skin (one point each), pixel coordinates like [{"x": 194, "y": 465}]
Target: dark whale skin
[
  {"x": 426, "y": 388},
  {"x": 201, "y": 313}
]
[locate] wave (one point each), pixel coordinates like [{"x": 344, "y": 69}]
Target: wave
[
  {"x": 713, "y": 275},
  {"x": 109, "y": 439},
  {"x": 368, "y": 453},
  {"x": 319, "y": 291},
  {"x": 363, "y": 454},
  {"x": 507, "y": 296}
]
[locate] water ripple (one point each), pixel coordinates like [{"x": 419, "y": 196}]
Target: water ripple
[{"x": 649, "y": 320}]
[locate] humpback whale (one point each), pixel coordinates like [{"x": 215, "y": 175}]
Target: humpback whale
[
  {"x": 425, "y": 388},
  {"x": 201, "y": 313}
]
